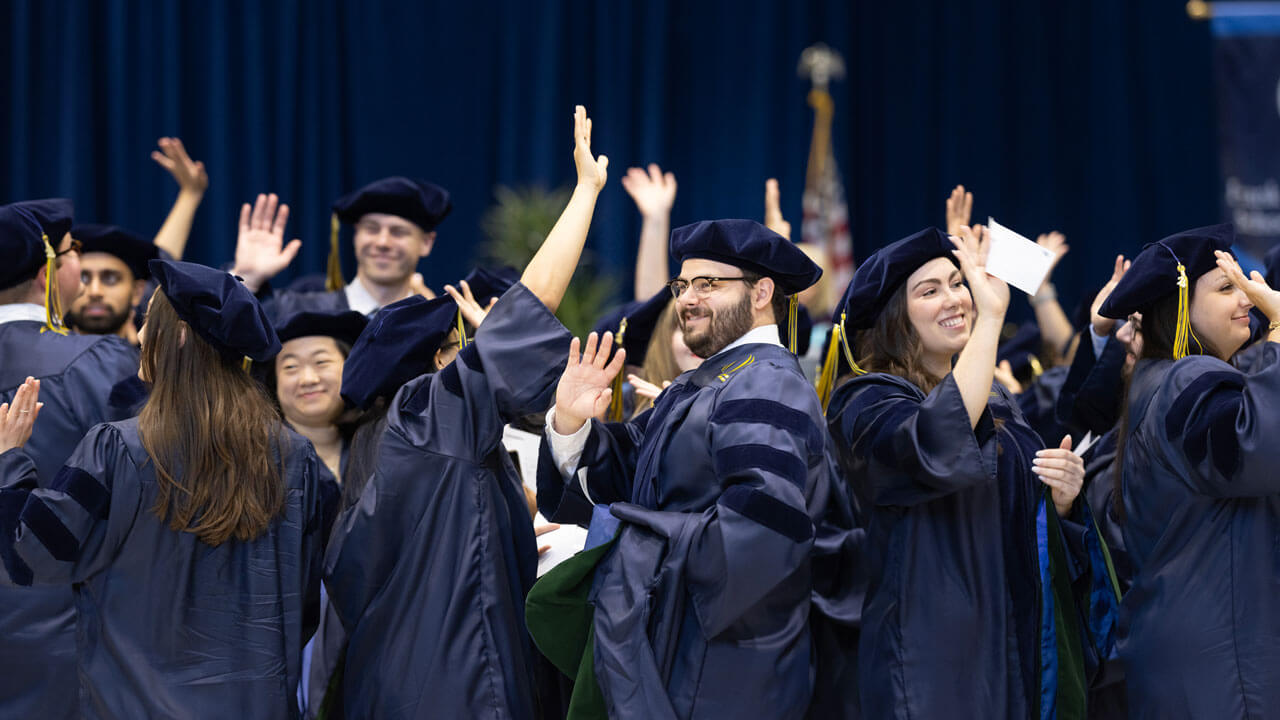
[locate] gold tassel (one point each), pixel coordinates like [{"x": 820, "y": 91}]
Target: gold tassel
[
  {"x": 1036, "y": 368},
  {"x": 827, "y": 377},
  {"x": 333, "y": 277},
  {"x": 615, "y": 402},
  {"x": 246, "y": 363},
  {"x": 793, "y": 313},
  {"x": 848, "y": 354},
  {"x": 1183, "y": 331},
  {"x": 52, "y": 298},
  {"x": 462, "y": 331}
]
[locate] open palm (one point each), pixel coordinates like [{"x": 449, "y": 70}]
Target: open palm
[{"x": 584, "y": 390}]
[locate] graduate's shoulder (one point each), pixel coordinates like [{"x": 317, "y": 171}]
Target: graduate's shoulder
[
  {"x": 107, "y": 356},
  {"x": 870, "y": 388}
]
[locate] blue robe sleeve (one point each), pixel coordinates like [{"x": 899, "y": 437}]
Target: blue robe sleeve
[
  {"x": 607, "y": 466},
  {"x": 1223, "y": 425},
  {"x": 65, "y": 533},
  {"x": 1091, "y": 396},
  {"x": 508, "y": 371},
  {"x": 926, "y": 443},
  {"x": 758, "y": 532}
]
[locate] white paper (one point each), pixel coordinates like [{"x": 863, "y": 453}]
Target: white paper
[
  {"x": 1015, "y": 259},
  {"x": 565, "y": 542},
  {"x": 1086, "y": 442},
  {"x": 525, "y": 445},
  {"x": 569, "y": 539}
]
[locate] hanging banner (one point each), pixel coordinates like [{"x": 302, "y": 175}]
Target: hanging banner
[{"x": 1246, "y": 57}]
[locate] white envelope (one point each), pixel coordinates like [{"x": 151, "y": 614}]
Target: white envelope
[{"x": 1015, "y": 259}]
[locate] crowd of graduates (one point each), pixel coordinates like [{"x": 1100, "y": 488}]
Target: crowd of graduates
[{"x": 748, "y": 493}]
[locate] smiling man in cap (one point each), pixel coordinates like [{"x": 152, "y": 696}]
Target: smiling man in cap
[
  {"x": 702, "y": 603},
  {"x": 395, "y": 221}
]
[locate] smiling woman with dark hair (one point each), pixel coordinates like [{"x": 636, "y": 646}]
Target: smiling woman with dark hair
[
  {"x": 1197, "y": 483},
  {"x": 989, "y": 595},
  {"x": 193, "y": 535}
]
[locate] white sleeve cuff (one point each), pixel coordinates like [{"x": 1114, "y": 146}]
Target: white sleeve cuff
[
  {"x": 566, "y": 450},
  {"x": 1099, "y": 341}
]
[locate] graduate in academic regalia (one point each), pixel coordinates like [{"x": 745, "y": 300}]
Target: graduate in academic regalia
[
  {"x": 192, "y": 535},
  {"x": 80, "y": 376},
  {"x": 1200, "y": 495},
  {"x": 989, "y": 592},
  {"x": 697, "y": 602},
  {"x": 305, "y": 378},
  {"x": 429, "y": 570},
  {"x": 395, "y": 222},
  {"x": 113, "y": 270}
]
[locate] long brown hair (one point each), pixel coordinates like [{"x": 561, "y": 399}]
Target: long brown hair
[
  {"x": 1159, "y": 326},
  {"x": 659, "y": 359},
  {"x": 892, "y": 345},
  {"x": 212, "y": 433}
]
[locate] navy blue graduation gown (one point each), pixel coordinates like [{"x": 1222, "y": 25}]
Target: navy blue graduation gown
[
  {"x": 959, "y": 619},
  {"x": 429, "y": 571},
  {"x": 1038, "y": 403},
  {"x": 1200, "y": 627},
  {"x": 1089, "y": 400},
  {"x": 166, "y": 625},
  {"x": 78, "y": 374},
  {"x": 702, "y": 607}
]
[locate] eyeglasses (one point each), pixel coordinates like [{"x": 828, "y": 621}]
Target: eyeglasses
[
  {"x": 73, "y": 248},
  {"x": 702, "y": 285}
]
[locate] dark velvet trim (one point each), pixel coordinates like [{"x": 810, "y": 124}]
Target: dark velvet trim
[
  {"x": 741, "y": 459},
  {"x": 417, "y": 403},
  {"x": 11, "y": 502},
  {"x": 470, "y": 357},
  {"x": 50, "y": 531},
  {"x": 771, "y": 413},
  {"x": 128, "y": 394},
  {"x": 1203, "y": 418},
  {"x": 452, "y": 381},
  {"x": 84, "y": 489},
  {"x": 769, "y": 512},
  {"x": 884, "y": 426}
]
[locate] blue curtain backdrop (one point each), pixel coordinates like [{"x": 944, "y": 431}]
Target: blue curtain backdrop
[{"x": 1093, "y": 117}]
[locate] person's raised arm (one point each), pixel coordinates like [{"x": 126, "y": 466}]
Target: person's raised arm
[
  {"x": 192, "y": 181},
  {"x": 654, "y": 193},
  {"x": 548, "y": 273},
  {"x": 1054, "y": 325},
  {"x": 959, "y": 208},
  {"x": 261, "y": 252},
  {"x": 773, "y": 210},
  {"x": 18, "y": 417},
  {"x": 975, "y": 368}
]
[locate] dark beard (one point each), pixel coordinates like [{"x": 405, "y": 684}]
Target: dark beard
[
  {"x": 724, "y": 328},
  {"x": 108, "y": 324}
]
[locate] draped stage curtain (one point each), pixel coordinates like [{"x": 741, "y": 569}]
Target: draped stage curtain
[{"x": 1090, "y": 117}]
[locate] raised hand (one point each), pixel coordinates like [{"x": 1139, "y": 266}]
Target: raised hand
[
  {"x": 584, "y": 390},
  {"x": 471, "y": 310},
  {"x": 959, "y": 208},
  {"x": 1056, "y": 243},
  {"x": 18, "y": 417},
  {"x": 172, "y": 156},
  {"x": 261, "y": 252},
  {"x": 1104, "y": 325},
  {"x": 592, "y": 171},
  {"x": 1255, "y": 286},
  {"x": 773, "y": 210},
  {"x": 646, "y": 389},
  {"x": 418, "y": 286},
  {"x": 990, "y": 294},
  {"x": 653, "y": 192},
  {"x": 1004, "y": 375},
  {"x": 1063, "y": 471}
]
